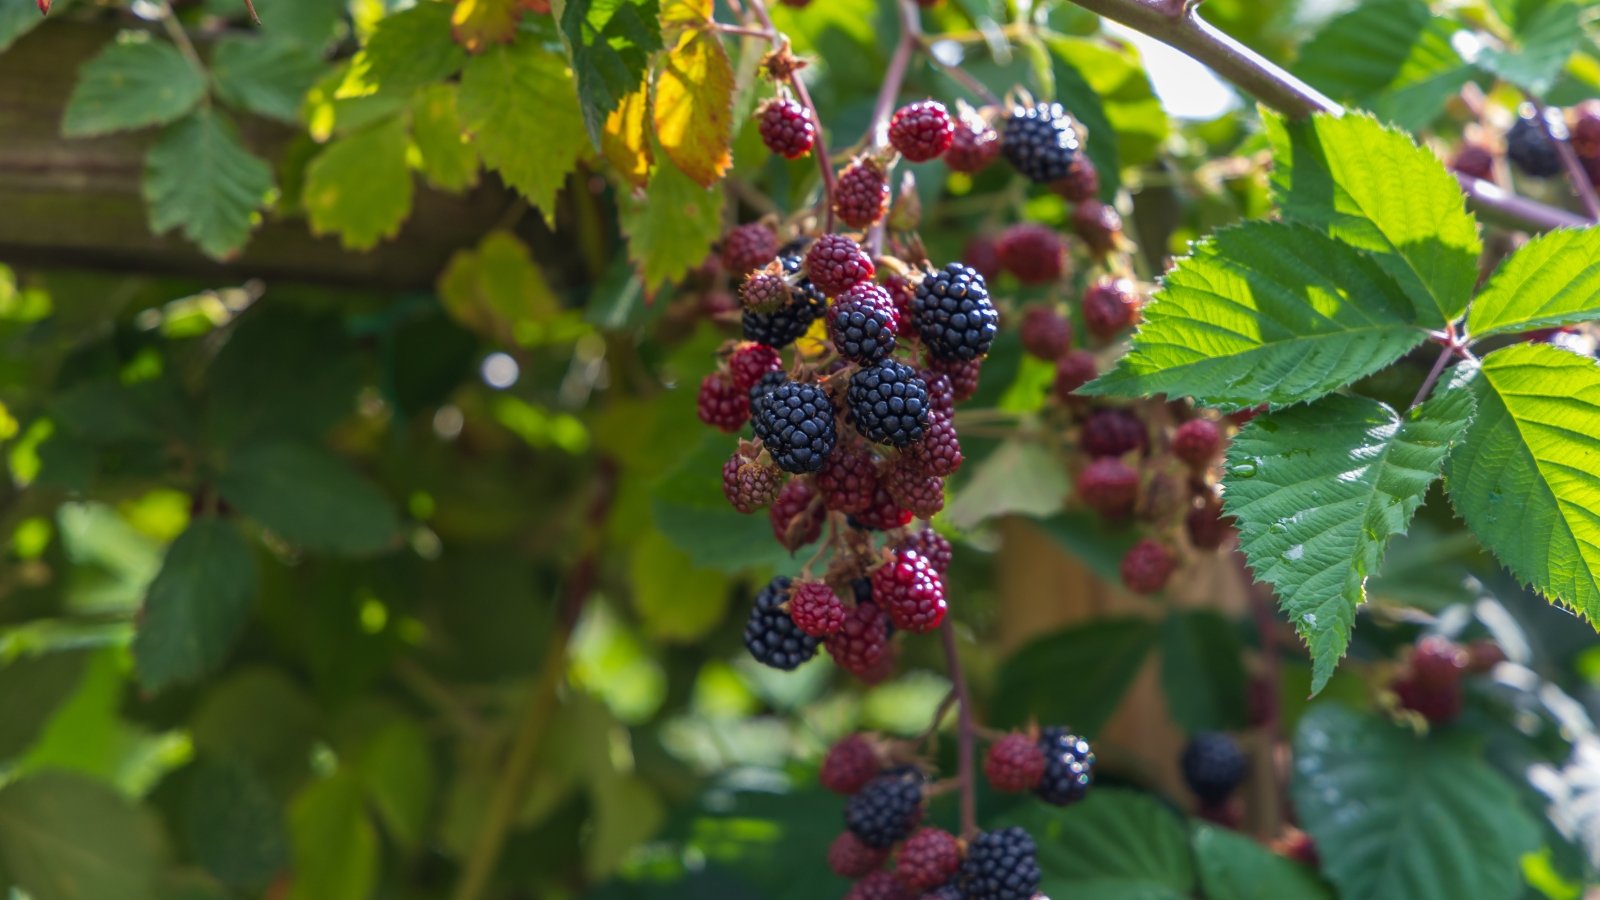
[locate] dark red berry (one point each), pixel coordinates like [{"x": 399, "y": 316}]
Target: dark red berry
[
  {"x": 766, "y": 290},
  {"x": 1438, "y": 703},
  {"x": 921, "y": 131},
  {"x": 927, "y": 859},
  {"x": 1074, "y": 370},
  {"x": 749, "y": 361},
  {"x": 1474, "y": 160},
  {"x": 1207, "y": 525},
  {"x": 963, "y": 375},
  {"x": 1109, "y": 306},
  {"x": 939, "y": 451},
  {"x": 1014, "y": 764},
  {"x": 797, "y": 514},
  {"x": 974, "y": 144},
  {"x": 849, "y": 480},
  {"x": 983, "y": 255},
  {"x": 816, "y": 608},
  {"x": 748, "y": 485},
  {"x": 836, "y": 263},
  {"x": 933, "y": 546},
  {"x": 859, "y": 645},
  {"x": 1109, "y": 487},
  {"x": 1196, "y": 442},
  {"x": 1113, "y": 432},
  {"x": 1081, "y": 183},
  {"x": 910, "y": 590},
  {"x": 1585, "y": 137},
  {"x": 717, "y": 304},
  {"x": 1045, "y": 333},
  {"x": 849, "y": 858},
  {"x": 722, "y": 405},
  {"x": 878, "y": 886},
  {"x": 850, "y": 763},
  {"x": 1437, "y": 660},
  {"x": 902, "y": 290},
  {"x": 1034, "y": 253},
  {"x": 862, "y": 323},
  {"x": 1098, "y": 224},
  {"x": 1244, "y": 416},
  {"x": 787, "y": 128},
  {"x": 1146, "y": 566},
  {"x": 921, "y": 493},
  {"x": 861, "y": 194},
  {"x": 941, "y": 393},
  {"x": 883, "y": 514},
  {"x": 1483, "y": 656},
  {"x": 748, "y": 247}
]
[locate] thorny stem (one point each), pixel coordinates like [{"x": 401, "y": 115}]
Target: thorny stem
[
  {"x": 1569, "y": 160},
  {"x": 966, "y": 733},
  {"x": 820, "y": 151},
  {"x": 1178, "y": 26}
]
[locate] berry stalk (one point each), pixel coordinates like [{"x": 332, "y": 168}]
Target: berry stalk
[
  {"x": 966, "y": 732},
  {"x": 759, "y": 7}
]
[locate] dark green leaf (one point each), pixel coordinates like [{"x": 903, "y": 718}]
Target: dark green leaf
[
  {"x": 259, "y": 717},
  {"x": 196, "y": 607},
  {"x": 199, "y": 176},
  {"x": 691, "y": 511},
  {"x": 314, "y": 23},
  {"x": 134, "y": 82},
  {"x": 1541, "y": 46},
  {"x": 1115, "y": 845},
  {"x": 609, "y": 42},
  {"x": 673, "y": 224},
  {"x": 309, "y": 497},
  {"x": 18, "y": 17},
  {"x": 1202, "y": 673},
  {"x": 282, "y": 372},
  {"x": 264, "y": 76},
  {"x": 109, "y": 412},
  {"x": 1234, "y": 867},
  {"x": 1075, "y": 676},
  {"x": 407, "y": 50},
  {"x": 234, "y": 825},
  {"x": 64, "y": 837},
  {"x": 33, "y": 687}
]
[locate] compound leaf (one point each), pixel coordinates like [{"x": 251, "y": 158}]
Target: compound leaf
[
  {"x": 518, "y": 103},
  {"x": 199, "y": 176}
]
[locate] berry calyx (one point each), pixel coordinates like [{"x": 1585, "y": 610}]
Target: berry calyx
[
  {"x": 747, "y": 484},
  {"x": 886, "y": 809},
  {"x": 771, "y": 636},
  {"x": 722, "y": 405},
  {"x": 910, "y": 590},
  {"x": 816, "y": 609},
  {"x": 1045, "y": 333},
  {"x": 1196, "y": 442},
  {"x": 1473, "y": 159},
  {"x": 849, "y": 764},
  {"x": 1068, "y": 767},
  {"x": 1207, "y": 525},
  {"x": 750, "y": 361},
  {"x": 1146, "y": 566},
  {"x": 974, "y": 144},
  {"x": 1113, "y": 432},
  {"x": 888, "y": 403},
  {"x": 787, "y": 128},
  {"x": 862, "y": 323},
  {"x": 1000, "y": 865},
  {"x": 1109, "y": 306},
  {"x": 836, "y": 263},
  {"x": 928, "y": 859},
  {"x": 849, "y": 858},
  {"x": 861, "y": 193},
  {"x": 1014, "y": 764},
  {"x": 1213, "y": 767},
  {"x": 1109, "y": 487},
  {"x": 954, "y": 315},
  {"x": 797, "y": 514},
  {"x": 921, "y": 131},
  {"x": 1035, "y": 254},
  {"x": 748, "y": 247},
  {"x": 795, "y": 423},
  {"x": 1040, "y": 142}
]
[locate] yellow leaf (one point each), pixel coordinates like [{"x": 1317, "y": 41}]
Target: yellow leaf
[
  {"x": 694, "y": 107},
  {"x": 626, "y": 139},
  {"x": 478, "y": 23},
  {"x": 493, "y": 289},
  {"x": 683, "y": 13}
]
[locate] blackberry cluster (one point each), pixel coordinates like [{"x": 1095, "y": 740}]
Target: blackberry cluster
[
  {"x": 1040, "y": 142},
  {"x": 888, "y": 403},
  {"x": 771, "y": 636},
  {"x": 783, "y": 325},
  {"x": 1001, "y": 865},
  {"x": 1068, "y": 767},
  {"x": 887, "y": 808},
  {"x": 1213, "y": 766},
  {"x": 954, "y": 315},
  {"x": 795, "y": 424}
]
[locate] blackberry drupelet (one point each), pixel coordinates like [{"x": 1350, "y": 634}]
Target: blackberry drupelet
[
  {"x": 771, "y": 636},
  {"x": 1000, "y": 865},
  {"x": 796, "y": 426},
  {"x": 886, "y": 810},
  {"x": 953, "y": 313},
  {"x": 1068, "y": 767},
  {"x": 1040, "y": 142},
  {"x": 888, "y": 403}
]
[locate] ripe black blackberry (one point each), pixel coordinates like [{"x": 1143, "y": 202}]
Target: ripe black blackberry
[
  {"x": 763, "y": 389},
  {"x": 771, "y": 636},
  {"x": 796, "y": 426},
  {"x": 1068, "y": 767},
  {"x": 783, "y": 325},
  {"x": 1040, "y": 142},
  {"x": 862, "y": 323},
  {"x": 886, "y": 810},
  {"x": 1000, "y": 865},
  {"x": 1213, "y": 766},
  {"x": 953, "y": 313},
  {"x": 1534, "y": 154},
  {"x": 888, "y": 403}
]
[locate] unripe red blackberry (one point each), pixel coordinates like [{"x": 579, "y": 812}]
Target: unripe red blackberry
[
  {"x": 849, "y": 480},
  {"x": 1585, "y": 128},
  {"x": 1438, "y": 703},
  {"x": 749, "y": 361},
  {"x": 1074, "y": 370},
  {"x": 921, "y": 493},
  {"x": 941, "y": 393},
  {"x": 883, "y": 514},
  {"x": 878, "y": 886},
  {"x": 787, "y": 128},
  {"x": 1484, "y": 655},
  {"x": 973, "y": 146},
  {"x": 765, "y": 290},
  {"x": 749, "y": 246},
  {"x": 858, "y": 647},
  {"x": 902, "y": 290},
  {"x": 861, "y": 193},
  {"x": 1297, "y": 845},
  {"x": 963, "y": 375},
  {"x": 882, "y": 670},
  {"x": 1475, "y": 160},
  {"x": 1045, "y": 333},
  {"x": 797, "y": 514},
  {"x": 921, "y": 131},
  {"x": 716, "y": 304},
  {"x": 910, "y": 590},
  {"x": 1109, "y": 306},
  {"x": 1034, "y": 253},
  {"x": 1196, "y": 442},
  {"x": 862, "y": 323},
  {"x": 849, "y": 764},
  {"x": 1113, "y": 432},
  {"x": 950, "y": 891},
  {"x": 1014, "y": 764},
  {"x": 835, "y": 263},
  {"x": 849, "y": 858},
  {"x": 886, "y": 809},
  {"x": 1438, "y": 660},
  {"x": 939, "y": 451},
  {"x": 983, "y": 255},
  {"x": 1099, "y": 225},
  {"x": 816, "y": 608},
  {"x": 795, "y": 311},
  {"x": 748, "y": 485},
  {"x": 1208, "y": 526},
  {"x": 1244, "y": 416},
  {"x": 722, "y": 405},
  {"x": 933, "y": 546},
  {"x": 927, "y": 859},
  {"x": 1081, "y": 183},
  {"x": 1146, "y": 566},
  {"x": 1109, "y": 487}
]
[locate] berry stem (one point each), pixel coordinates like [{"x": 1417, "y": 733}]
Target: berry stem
[
  {"x": 1271, "y": 722},
  {"x": 1270, "y": 84},
  {"x": 1569, "y": 160},
  {"x": 761, "y": 33},
  {"x": 1433, "y": 374},
  {"x": 966, "y": 734},
  {"x": 899, "y": 63},
  {"x": 820, "y": 151}
]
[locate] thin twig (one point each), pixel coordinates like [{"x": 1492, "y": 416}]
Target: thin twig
[
  {"x": 1434, "y": 373},
  {"x": 820, "y": 151},
  {"x": 180, "y": 37},
  {"x": 250, "y": 7},
  {"x": 1569, "y": 159},
  {"x": 966, "y": 733},
  {"x": 893, "y": 79},
  {"x": 938, "y": 717},
  {"x": 764, "y": 34}
]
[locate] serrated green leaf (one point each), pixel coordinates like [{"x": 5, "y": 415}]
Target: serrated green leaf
[
  {"x": 1075, "y": 676},
  {"x": 1397, "y": 815},
  {"x": 609, "y": 43},
  {"x": 266, "y": 77},
  {"x": 396, "y": 769},
  {"x": 1234, "y": 867},
  {"x": 1539, "y": 49},
  {"x": 360, "y": 187},
  {"x": 335, "y": 843},
  {"x": 132, "y": 84},
  {"x": 1393, "y": 57},
  {"x": 65, "y": 837},
  {"x": 1318, "y": 490},
  {"x": 449, "y": 158},
  {"x": 1523, "y": 477},
  {"x": 521, "y": 108},
  {"x": 313, "y": 23},
  {"x": 196, "y": 606},
  {"x": 671, "y": 226},
  {"x": 1265, "y": 312},
  {"x": 1374, "y": 188},
  {"x": 1115, "y": 844},
  {"x": 1552, "y": 280},
  {"x": 283, "y": 371},
  {"x": 406, "y": 50},
  {"x": 1202, "y": 673},
  {"x": 34, "y": 687},
  {"x": 309, "y": 497},
  {"x": 234, "y": 825},
  {"x": 199, "y": 176}
]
